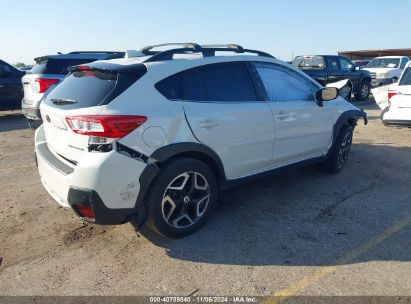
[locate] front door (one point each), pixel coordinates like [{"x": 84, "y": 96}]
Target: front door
[{"x": 302, "y": 128}]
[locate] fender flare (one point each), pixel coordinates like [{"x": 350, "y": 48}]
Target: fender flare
[
  {"x": 345, "y": 118},
  {"x": 185, "y": 148}
]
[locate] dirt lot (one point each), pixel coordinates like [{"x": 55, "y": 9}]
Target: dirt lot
[{"x": 299, "y": 232}]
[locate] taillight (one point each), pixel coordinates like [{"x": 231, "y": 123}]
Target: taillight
[
  {"x": 85, "y": 212},
  {"x": 111, "y": 126},
  {"x": 392, "y": 93},
  {"x": 44, "y": 83}
]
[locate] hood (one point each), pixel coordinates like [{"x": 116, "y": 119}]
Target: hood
[{"x": 379, "y": 70}]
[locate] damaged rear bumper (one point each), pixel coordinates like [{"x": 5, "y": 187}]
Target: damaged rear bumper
[{"x": 111, "y": 184}]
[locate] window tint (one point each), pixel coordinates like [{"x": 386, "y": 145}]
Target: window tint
[
  {"x": 332, "y": 63},
  {"x": 4, "y": 68},
  {"x": 406, "y": 77},
  {"x": 170, "y": 87},
  {"x": 193, "y": 87},
  {"x": 404, "y": 62},
  {"x": 346, "y": 65},
  {"x": 56, "y": 66},
  {"x": 227, "y": 82},
  {"x": 86, "y": 88},
  {"x": 214, "y": 82},
  {"x": 283, "y": 84}
]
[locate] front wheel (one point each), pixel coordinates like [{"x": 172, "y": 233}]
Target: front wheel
[
  {"x": 340, "y": 150},
  {"x": 181, "y": 198},
  {"x": 363, "y": 91}
]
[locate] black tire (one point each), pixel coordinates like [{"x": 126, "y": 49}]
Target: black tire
[
  {"x": 339, "y": 151},
  {"x": 159, "y": 190},
  {"x": 363, "y": 91}
]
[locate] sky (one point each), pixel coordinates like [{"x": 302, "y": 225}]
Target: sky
[{"x": 284, "y": 28}]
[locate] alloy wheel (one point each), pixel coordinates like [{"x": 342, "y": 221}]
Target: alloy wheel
[
  {"x": 344, "y": 150},
  {"x": 185, "y": 200}
]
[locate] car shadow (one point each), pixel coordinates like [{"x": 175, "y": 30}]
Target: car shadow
[
  {"x": 12, "y": 121},
  {"x": 304, "y": 216}
]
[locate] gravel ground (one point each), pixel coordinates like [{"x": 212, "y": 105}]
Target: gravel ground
[{"x": 299, "y": 232}]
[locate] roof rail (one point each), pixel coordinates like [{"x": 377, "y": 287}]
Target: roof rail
[
  {"x": 188, "y": 45},
  {"x": 94, "y": 52},
  {"x": 192, "y": 48}
]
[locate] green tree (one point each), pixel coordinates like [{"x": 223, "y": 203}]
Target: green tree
[{"x": 19, "y": 64}]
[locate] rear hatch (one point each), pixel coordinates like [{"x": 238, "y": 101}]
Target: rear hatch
[
  {"x": 45, "y": 75},
  {"x": 71, "y": 113}
]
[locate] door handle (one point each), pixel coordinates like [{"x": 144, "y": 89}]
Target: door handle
[
  {"x": 283, "y": 115},
  {"x": 208, "y": 124}
]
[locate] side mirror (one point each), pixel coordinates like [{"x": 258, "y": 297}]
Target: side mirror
[
  {"x": 326, "y": 94},
  {"x": 357, "y": 68}
]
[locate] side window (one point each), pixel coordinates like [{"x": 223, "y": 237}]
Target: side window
[
  {"x": 170, "y": 87},
  {"x": 4, "y": 68},
  {"x": 282, "y": 84},
  {"x": 346, "y": 65},
  {"x": 403, "y": 63},
  {"x": 193, "y": 87},
  {"x": 227, "y": 82},
  {"x": 332, "y": 64}
]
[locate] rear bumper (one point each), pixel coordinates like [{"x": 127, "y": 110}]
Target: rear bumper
[
  {"x": 394, "y": 122},
  {"x": 394, "y": 116},
  {"x": 30, "y": 112},
  {"x": 376, "y": 82},
  {"x": 108, "y": 182}
]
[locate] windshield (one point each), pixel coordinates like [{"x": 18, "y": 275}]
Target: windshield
[
  {"x": 309, "y": 62},
  {"x": 384, "y": 63}
]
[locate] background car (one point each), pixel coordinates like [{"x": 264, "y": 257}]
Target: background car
[
  {"x": 11, "y": 91},
  {"x": 386, "y": 69},
  {"x": 331, "y": 68},
  {"x": 48, "y": 72},
  {"x": 361, "y": 63},
  {"x": 398, "y": 111}
]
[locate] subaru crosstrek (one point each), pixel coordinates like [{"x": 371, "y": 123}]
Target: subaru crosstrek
[{"x": 154, "y": 137}]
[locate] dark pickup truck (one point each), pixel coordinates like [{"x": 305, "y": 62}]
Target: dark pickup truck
[{"x": 330, "y": 68}]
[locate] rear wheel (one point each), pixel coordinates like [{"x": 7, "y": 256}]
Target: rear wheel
[
  {"x": 181, "y": 198},
  {"x": 340, "y": 150},
  {"x": 363, "y": 91}
]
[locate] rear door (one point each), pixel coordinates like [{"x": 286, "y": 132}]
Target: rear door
[
  {"x": 224, "y": 113},
  {"x": 302, "y": 128}
]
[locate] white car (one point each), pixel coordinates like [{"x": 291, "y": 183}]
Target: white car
[
  {"x": 156, "y": 136},
  {"x": 398, "y": 111},
  {"x": 386, "y": 69}
]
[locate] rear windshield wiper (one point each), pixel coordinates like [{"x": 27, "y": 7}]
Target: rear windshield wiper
[{"x": 62, "y": 101}]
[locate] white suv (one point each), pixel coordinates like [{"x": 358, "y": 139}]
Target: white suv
[{"x": 156, "y": 136}]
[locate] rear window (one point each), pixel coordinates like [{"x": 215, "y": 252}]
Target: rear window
[
  {"x": 56, "y": 66},
  {"x": 406, "y": 77},
  {"x": 84, "y": 89},
  {"x": 221, "y": 82},
  {"x": 309, "y": 62}
]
